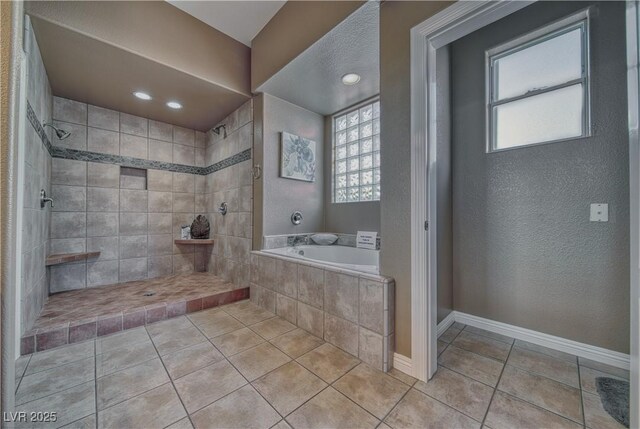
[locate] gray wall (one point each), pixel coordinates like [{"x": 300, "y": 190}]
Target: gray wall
[
  {"x": 345, "y": 218},
  {"x": 525, "y": 252},
  {"x": 281, "y": 197},
  {"x": 37, "y": 175}
]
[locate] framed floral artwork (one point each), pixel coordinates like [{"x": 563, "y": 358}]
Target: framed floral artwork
[{"x": 298, "y": 158}]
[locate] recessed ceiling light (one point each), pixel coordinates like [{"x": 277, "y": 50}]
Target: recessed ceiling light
[
  {"x": 350, "y": 78},
  {"x": 174, "y": 104},
  {"x": 142, "y": 95}
]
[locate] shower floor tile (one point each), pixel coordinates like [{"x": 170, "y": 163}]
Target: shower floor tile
[
  {"x": 171, "y": 374},
  {"x": 80, "y": 315}
]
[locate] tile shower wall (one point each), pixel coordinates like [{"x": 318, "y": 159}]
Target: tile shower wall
[
  {"x": 37, "y": 175},
  {"x": 132, "y": 223},
  {"x": 233, "y": 185}
]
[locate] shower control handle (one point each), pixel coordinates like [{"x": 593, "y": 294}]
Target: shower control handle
[
  {"x": 44, "y": 199},
  {"x": 296, "y": 217}
]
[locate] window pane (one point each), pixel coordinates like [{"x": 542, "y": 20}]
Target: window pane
[
  {"x": 366, "y": 130},
  {"x": 352, "y": 134},
  {"x": 341, "y": 138},
  {"x": 341, "y": 152},
  {"x": 376, "y": 109},
  {"x": 354, "y": 179},
  {"x": 376, "y": 142},
  {"x": 342, "y": 167},
  {"x": 354, "y": 164},
  {"x": 366, "y": 177},
  {"x": 366, "y": 145},
  {"x": 366, "y": 193},
  {"x": 352, "y": 119},
  {"x": 354, "y": 194},
  {"x": 353, "y": 149},
  {"x": 366, "y": 113},
  {"x": 341, "y": 196},
  {"x": 366, "y": 162},
  {"x": 341, "y": 123},
  {"x": 341, "y": 181},
  {"x": 550, "y": 116},
  {"x": 551, "y": 62}
]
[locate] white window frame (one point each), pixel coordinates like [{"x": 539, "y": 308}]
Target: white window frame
[
  {"x": 343, "y": 112},
  {"x": 578, "y": 20}
]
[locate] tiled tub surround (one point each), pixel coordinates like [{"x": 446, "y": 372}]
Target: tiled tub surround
[
  {"x": 85, "y": 314},
  {"x": 232, "y": 233},
  {"x": 351, "y": 310},
  {"x": 239, "y": 366}
]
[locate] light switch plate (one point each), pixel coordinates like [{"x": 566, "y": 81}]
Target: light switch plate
[{"x": 599, "y": 212}]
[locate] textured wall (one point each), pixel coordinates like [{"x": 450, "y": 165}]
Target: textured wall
[
  {"x": 233, "y": 185},
  {"x": 523, "y": 243},
  {"x": 281, "y": 197},
  {"x": 37, "y": 175},
  {"x": 97, "y": 209},
  {"x": 346, "y": 218},
  {"x": 396, "y": 20}
]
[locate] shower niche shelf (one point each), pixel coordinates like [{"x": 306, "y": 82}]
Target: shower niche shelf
[
  {"x": 195, "y": 241},
  {"x": 63, "y": 258}
]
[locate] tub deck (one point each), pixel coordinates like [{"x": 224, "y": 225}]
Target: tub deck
[{"x": 80, "y": 315}]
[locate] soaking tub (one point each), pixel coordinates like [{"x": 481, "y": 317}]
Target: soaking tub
[{"x": 350, "y": 258}]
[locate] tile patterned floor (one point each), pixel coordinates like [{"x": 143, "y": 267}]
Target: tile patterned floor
[
  {"x": 239, "y": 366},
  {"x": 75, "y": 316}
]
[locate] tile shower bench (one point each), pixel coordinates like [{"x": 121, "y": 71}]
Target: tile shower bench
[{"x": 351, "y": 310}]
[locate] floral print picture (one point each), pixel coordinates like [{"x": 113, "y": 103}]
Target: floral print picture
[{"x": 298, "y": 158}]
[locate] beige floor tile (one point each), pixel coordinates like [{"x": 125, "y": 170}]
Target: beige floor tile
[
  {"x": 125, "y": 384},
  {"x": 158, "y": 407},
  {"x": 54, "y": 380},
  {"x": 208, "y": 384},
  {"x": 545, "y": 350},
  {"x": 383, "y": 425},
  {"x": 288, "y": 387},
  {"x": 59, "y": 356},
  {"x": 481, "y": 345},
  {"x": 121, "y": 339},
  {"x": 69, "y": 405},
  {"x": 480, "y": 368},
  {"x": 282, "y": 424},
  {"x": 118, "y": 359},
  {"x": 588, "y": 379},
  {"x": 441, "y": 347},
  {"x": 550, "y": 367},
  {"x": 331, "y": 409},
  {"x": 237, "y": 341},
  {"x": 191, "y": 359},
  {"x": 258, "y": 361},
  {"x": 88, "y": 422},
  {"x": 181, "y": 424},
  {"x": 508, "y": 412},
  {"x": 171, "y": 340},
  {"x": 462, "y": 393},
  {"x": 417, "y": 410},
  {"x": 595, "y": 415},
  {"x": 543, "y": 392},
  {"x": 602, "y": 367},
  {"x": 219, "y": 323},
  {"x": 328, "y": 362},
  {"x": 250, "y": 315},
  {"x": 244, "y": 408},
  {"x": 21, "y": 366},
  {"x": 406, "y": 379},
  {"x": 206, "y": 316},
  {"x": 373, "y": 390},
  {"x": 296, "y": 343},
  {"x": 273, "y": 327},
  {"x": 489, "y": 334},
  {"x": 449, "y": 335}
]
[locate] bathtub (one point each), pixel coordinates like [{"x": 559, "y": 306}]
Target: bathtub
[{"x": 350, "y": 258}]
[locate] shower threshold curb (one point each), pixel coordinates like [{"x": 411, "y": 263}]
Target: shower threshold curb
[{"x": 82, "y": 330}]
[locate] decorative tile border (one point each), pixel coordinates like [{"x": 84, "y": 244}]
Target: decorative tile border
[
  {"x": 279, "y": 241},
  {"x": 127, "y": 161}
]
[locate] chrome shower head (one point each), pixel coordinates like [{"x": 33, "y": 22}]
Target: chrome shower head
[
  {"x": 217, "y": 130},
  {"x": 61, "y": 134}
]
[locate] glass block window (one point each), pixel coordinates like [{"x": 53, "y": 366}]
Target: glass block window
[
  {"x": 356, "y": 155},
  {"x": 538, "y": 86}
]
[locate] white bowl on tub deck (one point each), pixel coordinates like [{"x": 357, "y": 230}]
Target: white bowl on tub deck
[
  {"x": 324, "y": 239},
  {"x": 350, "y": 258}
]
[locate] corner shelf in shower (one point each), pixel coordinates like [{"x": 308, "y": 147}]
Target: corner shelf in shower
[
  {"x": 196, "y": 241},
  {"x": 63, "y": 258}
]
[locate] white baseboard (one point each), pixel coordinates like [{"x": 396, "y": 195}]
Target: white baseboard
[
  {"x": 446, "y": 322},
  {"x": 598, "y": 354},
  {"x": 402, "y": 364}
]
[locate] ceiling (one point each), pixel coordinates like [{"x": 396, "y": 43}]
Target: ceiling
[
  {"x": 239, "y": 19},
  {"x": 313, "y": 79},
  {"x": 92, "y": 71}
]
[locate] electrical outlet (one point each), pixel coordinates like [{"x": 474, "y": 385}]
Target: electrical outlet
[{"x": 599, "y": 212}]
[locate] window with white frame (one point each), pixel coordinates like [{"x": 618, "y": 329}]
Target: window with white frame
[
  {"x": 538, "y": 86},
  {"x": 356, "y": 154}
]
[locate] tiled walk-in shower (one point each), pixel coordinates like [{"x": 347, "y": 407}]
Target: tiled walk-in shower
[{"x": 240, "y": 366}]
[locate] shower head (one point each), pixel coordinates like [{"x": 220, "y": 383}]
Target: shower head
[
  {"x": 61, "y": 134},
  {"x": 217, "y": 130}
]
